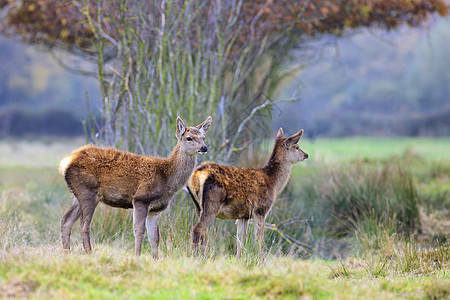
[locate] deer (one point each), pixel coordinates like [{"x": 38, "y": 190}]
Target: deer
[
  {"x": 126, "y": 180},
  {"x": 241, "y": 194}
]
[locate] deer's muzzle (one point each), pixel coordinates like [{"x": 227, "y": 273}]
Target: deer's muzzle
[{"x": 203, "y": 150}]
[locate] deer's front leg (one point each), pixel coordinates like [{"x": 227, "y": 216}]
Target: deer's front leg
[
  {"x": 153, "y": 232},
  {"x": 140, "y": 211},
  {"x": 241, "y": 230},
  {"x": 259, "y": 233}
]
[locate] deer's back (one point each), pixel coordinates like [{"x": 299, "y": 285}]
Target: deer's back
[
  {"x": 116, "y": 175},
  {"x": 245, "y": 188}
]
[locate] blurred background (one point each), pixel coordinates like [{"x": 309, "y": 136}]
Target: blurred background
[
  {"x": 375, "y": 83},
  {"x": 369, "y": 82}
]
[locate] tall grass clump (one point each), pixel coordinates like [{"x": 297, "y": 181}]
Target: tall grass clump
[
  {"x": 31, "y": 207},
  {"x": 349, "y": 197},
  {"x": 412, "y": 257},
  {"x": 15, "y": 229},
  {"x": 364, "y": 202}
]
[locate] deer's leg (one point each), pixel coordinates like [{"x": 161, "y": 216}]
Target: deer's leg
[
  {"x": 259, "y": 233},
  {"x": 67, "y": 221},
  {"x": 212, "y": 202},
  {"x": 140, "y": 212},
  {"x": 241, "y": 230},
  {"x": 199, "y": 234},
  {"x": 152, "y": 224},
  {"x": 88, "y": 202}
]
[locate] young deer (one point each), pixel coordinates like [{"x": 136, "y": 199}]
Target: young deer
[
  {"x": 242, "y": 193},
  {"x": 121, "y": 179}
]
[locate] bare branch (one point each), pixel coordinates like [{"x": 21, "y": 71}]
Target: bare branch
[{"x": 241, "y": 126}]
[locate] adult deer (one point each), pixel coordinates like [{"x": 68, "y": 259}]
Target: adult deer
[
  {"x": 126, "y": 180},
  {"x": 242, "y": 193}
]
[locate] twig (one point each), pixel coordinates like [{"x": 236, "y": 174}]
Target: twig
[
  {"x": 255, "y": 19},
  {"x": 241, "y": 126},
  {"x": 285, "y": 236}
]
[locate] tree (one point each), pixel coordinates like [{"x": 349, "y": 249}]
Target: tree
[
  {"x": 166, "y": 57},
  {"x": 62, "y": 24}
]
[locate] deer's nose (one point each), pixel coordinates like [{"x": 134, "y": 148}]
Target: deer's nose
[
  {"x": 204, "y": 149},
  {"x": 306, "y": 156}
]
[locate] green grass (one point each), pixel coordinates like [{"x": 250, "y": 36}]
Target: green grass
[
  {"x": 338, "y": 149},
  {"x": 376, "y": 261},
  {"x": 29, "y": 154},
  {"x": 46, "y": 272}
]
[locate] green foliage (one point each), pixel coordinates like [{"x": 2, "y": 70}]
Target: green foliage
[{"x": 342, "y": 197}]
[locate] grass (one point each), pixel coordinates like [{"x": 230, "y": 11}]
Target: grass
[
  {"x": 35, "y": 154},
  {"x": 338, "y": 149},
  {"x": 46, "y": 272},
  {"x": 347, "y": 194},
  {"x": 372, "y": 259}
]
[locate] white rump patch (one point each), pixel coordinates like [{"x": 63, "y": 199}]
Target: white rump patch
[
  {"x": 202, "y": 176},
  {"x": 64, "y": 164}
]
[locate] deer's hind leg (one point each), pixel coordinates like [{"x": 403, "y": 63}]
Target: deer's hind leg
[
  {"x": 88, "y": 202},
  {"x": 212, "y": 202},
  {"x": 67, "y": 221}
]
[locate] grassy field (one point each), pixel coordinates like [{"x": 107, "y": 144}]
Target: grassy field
[
  {"x": 337, "y": 149},
  {"x": 367, "y": 258}
]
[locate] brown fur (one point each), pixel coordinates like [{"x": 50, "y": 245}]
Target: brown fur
[
  {"x": 242, "y": 193},
  {"x": 127, "y": 180}
]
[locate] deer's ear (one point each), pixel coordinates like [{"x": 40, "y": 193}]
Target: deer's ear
[
  {"x": 279, "y": 134},
  {"x": 293, "y": 139},
  {"x": 180, "y": 127},
  {"x": 204, "y": 126}
]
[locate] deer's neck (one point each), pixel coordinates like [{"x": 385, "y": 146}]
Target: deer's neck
[
  {"x": 278, "y": 174},
  {"x": 180, "y": 167},
  {"x": 278, "y": 171}
]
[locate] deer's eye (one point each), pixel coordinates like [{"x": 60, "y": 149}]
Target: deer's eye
[{"x": 189, "y": 139}]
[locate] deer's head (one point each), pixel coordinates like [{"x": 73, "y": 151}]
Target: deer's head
[
  {"x": 192, "y": 139},
  {"x": 288, "y": 148}
]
